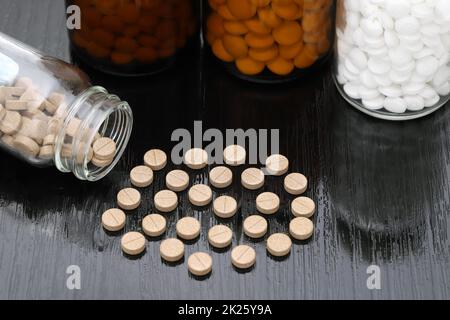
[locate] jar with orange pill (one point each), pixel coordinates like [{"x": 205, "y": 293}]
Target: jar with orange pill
[
  {"x": 133, "y": 37},
  {"x": 270, "y": 40}
]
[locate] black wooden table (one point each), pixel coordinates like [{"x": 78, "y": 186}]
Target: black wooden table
[{"x": 382, "y": 191}]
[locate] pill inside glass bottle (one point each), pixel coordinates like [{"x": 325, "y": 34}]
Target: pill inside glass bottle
[{"x": 51, "y": 115}]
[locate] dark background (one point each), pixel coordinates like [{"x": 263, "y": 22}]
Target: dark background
[{"x": 382, "y": 191}]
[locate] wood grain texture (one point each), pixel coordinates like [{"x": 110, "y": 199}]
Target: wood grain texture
[{"x": 382, "y": 191}]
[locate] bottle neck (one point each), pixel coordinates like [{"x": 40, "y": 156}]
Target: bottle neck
[{"x": 93, "y": 114}]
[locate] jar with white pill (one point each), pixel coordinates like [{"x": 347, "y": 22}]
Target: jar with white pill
[
  {"x": 50, "y": 115},
  {"x": 393, "y": 56}
]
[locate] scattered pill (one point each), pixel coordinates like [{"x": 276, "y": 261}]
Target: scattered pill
[
  {"x": 166, "y": 201},
  {"x": 268, "y": 203},
  {"x": 277, "y": 165},
  {"x": 252, "y": 178},
  {"x": 255, "y": 226},
  {"x": 141, "y": 176},
  {"x": 200, "y": 264},
  {"x": 196, "y": 158},
  {"x": 243, "y": 257},
  {"x": 234, "y": 155},
  {"x": 177, "y": 180},
  {"x": 113, "y": 220},
  {"x": 221, "y": 177},
  {"x": 133, "y": 243},
  {"x": 279, "y": 245},
  {"x": 188, "y": 228},
  {"x": 155, "y": 159},
  {"x": 200, "y": 195},
  {"x": 295, "y": 183},
  {"x": 104, "y": 149},
  {"x": 154, "y": 225},
  {"x": 301, "y": 228},
  {"x": 128, "y": 199},
  {"x": 101, "y": 163},
  {"x": 171, "y": 250},
  {"x": 225, "y": 207},
  {"x": 303, "y": 207},
  {"x": 220, "y": 236}
]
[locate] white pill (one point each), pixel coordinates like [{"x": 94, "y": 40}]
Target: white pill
[
  {"x": 378, "y": 66},
  {"x": 414, "y": 103},
  {"x": 398, "y": 8},
  {"x": 441, "y": 76},
  {"x": 444, "y": 89},
  {"x": 383, "y": 80},
  {"x": 427, "y": 66},
  {"x": 395, "y": 105},
  {"x": 412, "y": 88},
  {"x": 367, "y": 79},
  {"x": 399, "y": 77},
  {"x": 392, "y": 91},
  {"x": 432, "y": 101},
  {"x": 368, "y": 94},
  {"x": 386, "y": 20},
  {"x": 407, "y": 25},
  {"x": 350, "y": 66},
  {"x": 352, "y": 90},
  {"x": 391, "y": 39},
  {"x": 399, "y": 56},
  {"x": 358, "y": 58},
  {"x": 374, "y": 43},
  {"x": 371, "y": 27},
  {"x": 374, "y": 104},
  {"x": 427, "y": 92}
]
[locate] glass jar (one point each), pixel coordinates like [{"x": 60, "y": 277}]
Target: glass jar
[
  {"x": 393, "y": 56},
  {"x": 133, "y": 37},
  {"x": 270, "y": 40},
  {"x": 51, "y": 115}
]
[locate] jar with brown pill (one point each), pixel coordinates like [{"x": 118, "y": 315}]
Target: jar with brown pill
[
  {"x": 51, "y": 115},
  {"x": 270, "y": 41},
  {"x": 133, "y": 37}
]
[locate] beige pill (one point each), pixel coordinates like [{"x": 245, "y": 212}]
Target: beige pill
[
  {"x": 234, "y": 155},
  {"x": 2, "y": 112},
  {"x": 200, "y": 195},
  {"x": 11, "y": 123},
  {"x": 268, "y": 203},
  {"x": 252, "y": 178},
  {"x": 188, "y": 228},
  {"x": 166, "y": 201},
  {"x": 303, "y": 207},
  {"x": 104, "y": 149},
  {"x": 279, "y": 244},
  {"x": 128, "y": 199},
  {"x": 295, "y": 183},
  {"x": 220, "y": 236},
  {"x": 243, "y": 257},
  {"x": 301, "y": 228},
  {"x": 133, "y": 243},
  {"x": 255, "y": 226},
  {"x": 113, "y": 220},
  {"x": 101, "y": 163},
  {"x": 8, "y": 140},
  {"x": 225, "y": 207},
  {"x": 56, "y": 98},
  {"x": 16, "y": 105},
  {"x": 221, "y": 177},
  {"x": 72, "y": 127},
  {"x": 54, "y": 126},
  {"x": 141, "y": 176},
  {"x": 13, "y": 93},
  {"x": 47, "y": 152},
  {"x": 49, "y": 140},
  {"x": 177, "y": 180},
  {"x": 277, "y": 165},
  {"x": 155, "y": 159},
  {"x": 154, "y": 225},
  {"x": 26, "y": 145},
  {"x": 196, "y": 158},
  {"x": 171, "y": 250},
  {"x": 49, "y": 107},
  {"x": 200, "y": 264}
]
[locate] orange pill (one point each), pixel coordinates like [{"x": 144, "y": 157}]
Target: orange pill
[
  {"x": 261, "y": 3},
  {"x": 121, "y": 58},
  {"x": 166, "y": 29},
  {"x": 312, "y": 4},
  {"x": 249, "y": 66},
  {"x": 129, "y": 13},
  {"x": 146, "y": 55},
  {"x": 241, "y": 9},
  {"x": 126, "y": 45},
  {"x": 259, "y": 41},
  {"x": 220, "y": 51},
  {"x": 256, "y": 26},
  {"x": 225, "y": 13},
  {"x": 263, "y": 55},
  {"x": 280, "y": 66},
  {"x": 147, "y": 23},
  {"x": 79, "y": 40},
  {"x": 269, "y": 18},
  {"x": 148, "y": 41},
  {"x": 235, "y": 27},
  {"x": 288, "y": 33},
  {"x": 312, "y": 21},
  {"x": 214, "y": 25},
  {"x": 235, "y": 45},
  {"x": 131, "y": 31},
  {"x": 103, "y": 38},
  {"x": 306, "y": 57},
  {"x": 97, "y": 51},
  {"x": 290, "y": 52},
  {"x": 282, "y": 2},
  {"x": 290, "y": 11},
  {"x": 112, "y": 23}
]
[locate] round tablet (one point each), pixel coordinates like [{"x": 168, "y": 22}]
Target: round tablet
[
  {"x": 279, "y": 244},
  {"x": 252, "y": 178},
  {"x": 268, "y": 203},
  {"x": 177, "y": 180},
  {"x": 303, "y": 207},
  {"x": 133, "y": 243},
  {"x": 255, "y": 226},
  {"x": 200, "y": 195},
  {"x": 200, "y": 264},
  {"x": 155, "y": 159},
  {"x": 171, "y": 250},
  {"x": 221, "y": 177},
  {"x": 295, "y": 183},
  {"x": 243, "y": 257},
  {"x": 166, "y": 201},
  {"x": 234, "y": 155},
  {"x": 188, "y": 228},
  {"x": 104, "y": 148},
  {"x": 113, "y": 220},
  {"x": 277, "y": 164},
  {"x": 196, "y": 158},
  {"x": 101, "y": 163},
  {"x": 154, "y": 225},
  {"x": 220, "y": 236},
  {"x": 128, "y": 199},
  {"x": 141, "y": 176},
  {"x": 301, "y": 228},
  {"x": 225, "y": 207}
]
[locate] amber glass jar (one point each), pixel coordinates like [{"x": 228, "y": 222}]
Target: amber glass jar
[
  {"x": 270, "y": 40},
  {"x": 133, "y": 37}
]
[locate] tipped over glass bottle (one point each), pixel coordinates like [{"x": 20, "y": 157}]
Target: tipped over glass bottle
[{"x": 50, "y": 114}]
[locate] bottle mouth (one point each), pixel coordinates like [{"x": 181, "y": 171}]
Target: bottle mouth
[{"x": 94, "y": 114}]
